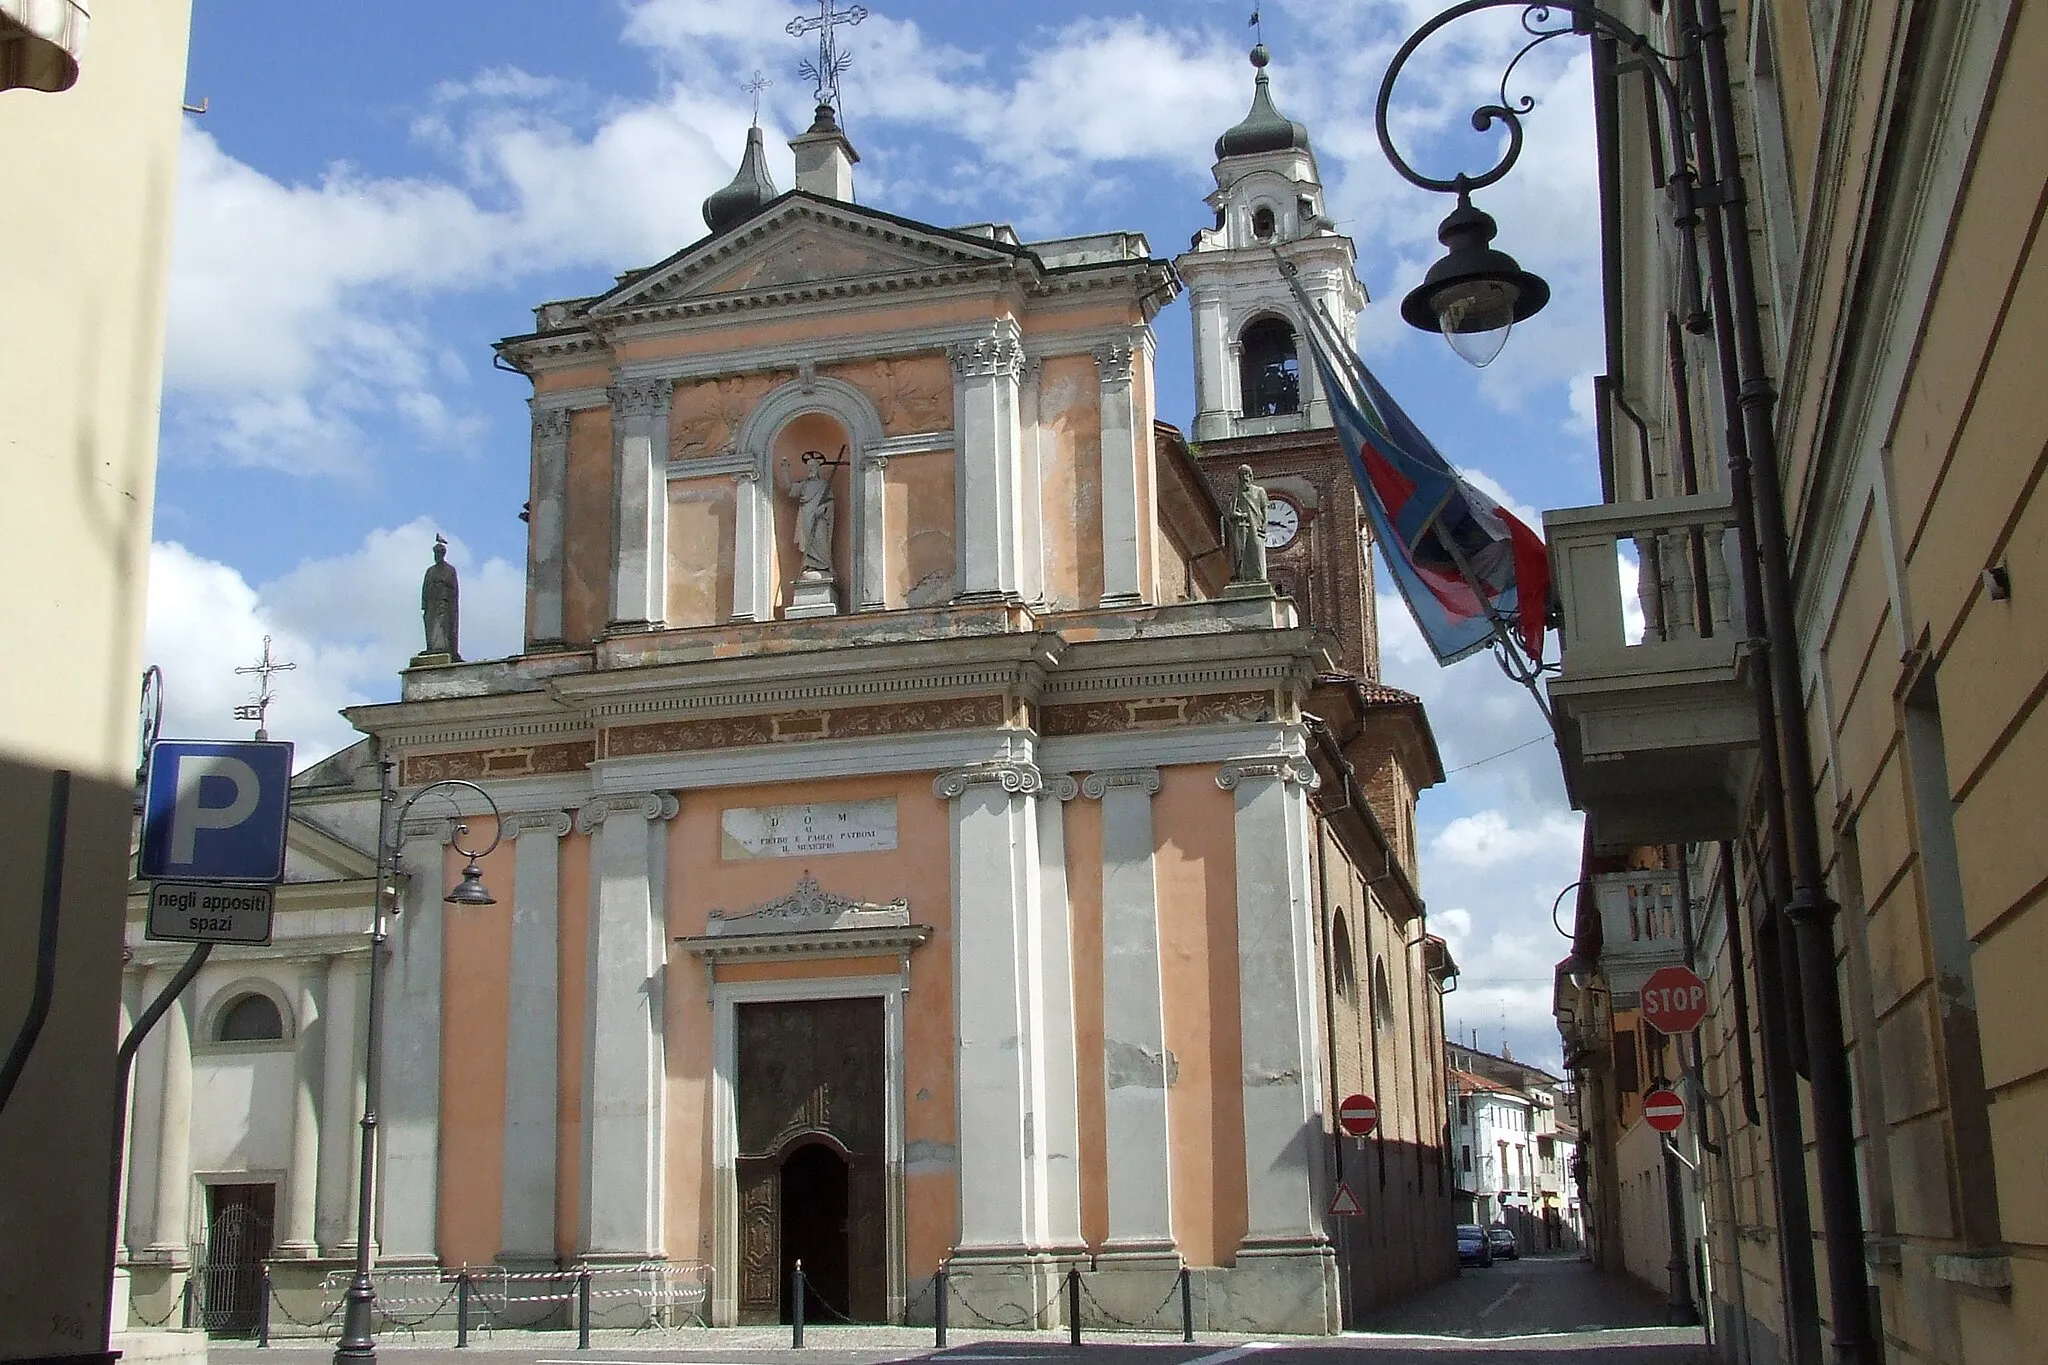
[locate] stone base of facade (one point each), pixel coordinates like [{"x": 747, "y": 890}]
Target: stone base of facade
[
  {"x": 1292, "y": 1291},
  {"x": 1013, "y": 1290},
  {"x": 1281, "y": 1289},
  {"x": 159, "y": 1348}
]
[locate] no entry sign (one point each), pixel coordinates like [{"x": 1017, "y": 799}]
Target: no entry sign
[
  {"x": 1358, "y": 1115},
  {"x": 1674, "y": 1000},
  {"x": 1663, "y": 1110}
]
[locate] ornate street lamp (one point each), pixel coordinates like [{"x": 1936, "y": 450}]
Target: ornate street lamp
[
  {"x": 358, "y": 1344},
  {"x": 1475, "y": 294}
]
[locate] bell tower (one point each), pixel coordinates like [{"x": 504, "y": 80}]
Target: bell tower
[{"x": 1252, "y": 372}]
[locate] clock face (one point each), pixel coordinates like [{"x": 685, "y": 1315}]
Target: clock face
[{"x": 1283, "y": 522}]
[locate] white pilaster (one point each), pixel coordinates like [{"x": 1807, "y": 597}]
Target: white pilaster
[
  {"x": 639, "y": 502},
  {"x": 546, "y": 515},
  {"x": 1031, "y": 483},
  {"x": 987, "y": 481},
  {"x": 1276, "y": 992},
  {"x": 527, "y": 1211},
  {"x": 409, "y": 1125},
  {"x": 145, "y": 1131},
  {"x": 302, "y": 1177},
  {"x": 1124, "y": 449},
  {"x": 170, "y": 1233},
  {"x": 342, "y": 1101},
  {"x": 753, "y": 531},
  {"x": 1059, "y": 1129},
  {"x": 1136, "y": 1066},
  {"x": 621, "y": 1193},
  {"x": 872, "y": 574},
  {"x": 999, "y": 1002},
  {"x": 1215, "y": 404}
]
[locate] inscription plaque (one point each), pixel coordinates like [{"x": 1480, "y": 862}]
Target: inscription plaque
[{"x": 808, "y": 830}]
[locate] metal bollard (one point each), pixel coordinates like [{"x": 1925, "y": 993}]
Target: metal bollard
[
  {"x": 941, "y": 1293},
  {"x": 796, "y": 1307},
  {"x": 187, "y": 1294},
  {"x": 1187, "y": 1305},
  {"x": 263, "y": 1312},
  {"x": 461, "y": 1310},
  {"x": 583, "y": 1311},
  {"x": 1074, "y": 1305}
]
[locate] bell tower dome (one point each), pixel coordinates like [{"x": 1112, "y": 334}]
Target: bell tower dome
[{"x": 1252, "y": 374}]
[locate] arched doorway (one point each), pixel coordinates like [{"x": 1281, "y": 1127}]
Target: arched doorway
[{"x": 815, "y": 1184}]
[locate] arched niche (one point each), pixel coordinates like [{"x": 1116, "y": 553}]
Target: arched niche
[
  {"x": 788, "y": 420},
  {"x": 220, "y": 1014}
]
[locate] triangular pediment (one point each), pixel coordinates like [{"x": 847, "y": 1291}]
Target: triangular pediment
[{"x": 802, "y": 242}]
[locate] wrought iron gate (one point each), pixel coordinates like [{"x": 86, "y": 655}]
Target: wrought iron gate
[{"x": 238, "y": 1231}]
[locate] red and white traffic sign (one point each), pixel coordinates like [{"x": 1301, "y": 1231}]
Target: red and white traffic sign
[
  {"x": 1358, "y": 1115},
  {"x": 1674, "y": 1000},
  {"x": 1663, "y": 1110},
  {"x": 1344, "y": 1204}
]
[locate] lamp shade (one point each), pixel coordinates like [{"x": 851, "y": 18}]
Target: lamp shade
[{"x": 1475, "y": 294}]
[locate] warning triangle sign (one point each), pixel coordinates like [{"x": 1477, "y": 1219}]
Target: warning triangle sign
[{"x": 1345, "y": 1204}]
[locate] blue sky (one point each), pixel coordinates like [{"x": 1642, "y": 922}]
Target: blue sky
[{"x": 377, "y": 192}]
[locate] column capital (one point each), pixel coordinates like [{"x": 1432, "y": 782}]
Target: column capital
[
  {"x": 1058, "y": 787},
  {"x": 1013, "y": 776},
  {"x": 997, "y": 355},
  {"x": 1098, "y": 783},
  {"x": 1271, "y": 767},
  {"x": 553, "y": 822},
  {"x": 1115, "y": 359},
  {"x": 439, "y": 829},
  {"x": 646, "y": 805},
  {"x": 551, "y": 424},
  {"x": 641, "y": 397}
]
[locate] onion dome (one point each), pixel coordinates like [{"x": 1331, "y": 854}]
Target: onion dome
[
  {"x": 1264, "y": 129},
  {"x": 749, "y": 192}
]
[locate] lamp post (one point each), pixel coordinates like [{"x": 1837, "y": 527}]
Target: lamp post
[
  {"x": 1475, "y": 294},
  {"x": 358, "y": 1344}
]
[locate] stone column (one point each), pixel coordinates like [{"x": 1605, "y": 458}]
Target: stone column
[
  {"x": 170, "y": 1234},
  {"x": 341, "y": 1101},
  {"x": 987, "y": 495},
  {"x": 623, "y": 1079},
  {"x": 146, "y": 1084},
  {"x": 1136, "y": 1066},
  {"x": 527, "y": 1211},
  {"x": 1031, "y": 484},
  {"x": 546, "y": 519},
  {"x": 409, "y": 1124},
  {"x": 872, "y": 574},
  {"x": 1000, "y": 1042},
  {"x": 1060, "y": 1129},
  {"x": 302, "y": 1177},
  {"x": 753, "y": 530},
  {"x": 1124, "y": 449},
  {"x": 639, "y": 503},
  {"x": 1284, "y": 1141}
]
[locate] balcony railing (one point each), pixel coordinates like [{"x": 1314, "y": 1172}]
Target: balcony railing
[
  {"x": 1652, "y": 706},
  {"x": 1640, "y": 926}
]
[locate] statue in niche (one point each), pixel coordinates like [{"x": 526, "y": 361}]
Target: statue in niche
[
  {"x": 814, "y": 510},
  {"x": 1244, "y": 529},
  {"x": 441, "y": 603}
]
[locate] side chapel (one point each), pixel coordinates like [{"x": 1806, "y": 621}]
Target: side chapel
[{"x": 916, "y": 848}]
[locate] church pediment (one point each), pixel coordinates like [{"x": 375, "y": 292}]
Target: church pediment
[
  {"x": 802, "y": 244},
  {"x": 809, "y": 922}
]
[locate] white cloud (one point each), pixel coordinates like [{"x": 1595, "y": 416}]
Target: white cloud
[
  {"x": 1490, "y": 838},
  {"x": 347, "y": 624}
]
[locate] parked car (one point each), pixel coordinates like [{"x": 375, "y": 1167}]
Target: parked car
[
  {"x": 1474, "y": 1246},
  {"x": 1502, "y": 1238}
]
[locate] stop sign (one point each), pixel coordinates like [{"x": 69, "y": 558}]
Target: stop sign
[
  {"x": 1663, "y": 1110},
  {"x": 1358, "y": 1115},
  {"x": 1674, "y": 1000}
]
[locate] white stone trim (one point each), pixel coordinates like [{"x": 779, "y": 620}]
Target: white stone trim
[
  {"x": 1173, "y": 748},
  {"x": 846, "y": 405},
  {"x": 988, "y": 493},
  {"x": 546, "y": 522},
  {"x": 409, "y": 1127},
  {"x": 528, "y": 1179},
  {"x": 813, "y": 760},
  {"x": 725, "y": 1238}
]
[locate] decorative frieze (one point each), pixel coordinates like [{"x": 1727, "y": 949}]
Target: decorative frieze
[
  {"x": 849, "y": 722},
  {"x": 477, "y": 765},
  {"x": 1156, "y": 713}
]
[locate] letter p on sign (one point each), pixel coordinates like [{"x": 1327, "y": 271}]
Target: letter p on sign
[{"x": 216, "y": 810}]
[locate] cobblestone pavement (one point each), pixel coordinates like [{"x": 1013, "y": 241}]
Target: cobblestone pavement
[{"x": 1538, "y": 1311}]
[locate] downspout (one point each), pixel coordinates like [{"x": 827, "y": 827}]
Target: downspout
[{"x": 1350, "y": 1316}]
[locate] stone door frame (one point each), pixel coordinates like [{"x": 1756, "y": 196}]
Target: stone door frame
[{"x": 725, "y": 1139}]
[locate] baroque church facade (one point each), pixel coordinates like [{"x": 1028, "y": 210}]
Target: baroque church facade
[{"x": 917, "y": 849}]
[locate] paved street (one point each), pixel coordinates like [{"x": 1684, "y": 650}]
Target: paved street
[{"x": 1545, "y": 1311}]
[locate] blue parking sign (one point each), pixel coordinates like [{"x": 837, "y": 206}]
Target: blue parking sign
[{"x": 215, "y": 810}]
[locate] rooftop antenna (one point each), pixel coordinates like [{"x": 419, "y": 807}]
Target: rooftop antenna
[
  {"x": 257, "y": 709},
  {"x": 825, "y": 72}
]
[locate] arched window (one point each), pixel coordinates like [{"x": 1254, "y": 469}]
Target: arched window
[
  {"x": 1271, "y": 369},
  {"x": 1262, "y": 222},
  {"x": 1382, "y": 992},
  {"x": 1340, "y": 957},
  {"x": 251, "y": 1019}
]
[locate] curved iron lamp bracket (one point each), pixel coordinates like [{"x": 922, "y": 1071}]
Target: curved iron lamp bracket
[
  {"x": 1577, "y": 19},
  {"x": 461, "y": 824}
]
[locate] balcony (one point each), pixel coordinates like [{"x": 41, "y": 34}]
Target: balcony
[
  {"x": 1653, "y": 712},
  {"x": 1640, "y": 927}
]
